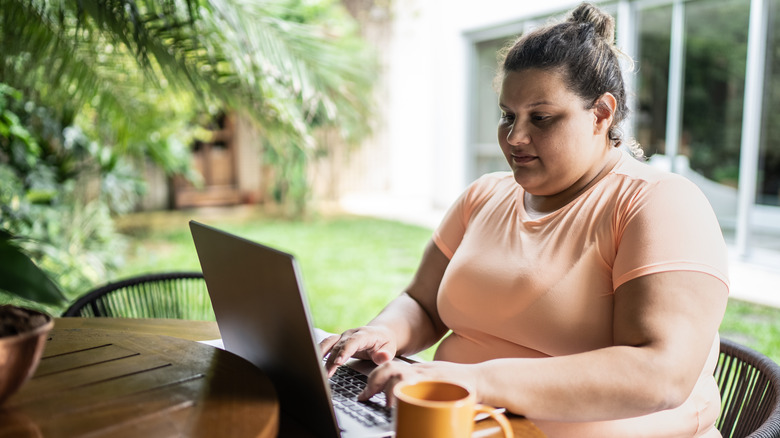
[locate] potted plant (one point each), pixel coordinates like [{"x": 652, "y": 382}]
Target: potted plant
[{"x": 22, "y": 331}]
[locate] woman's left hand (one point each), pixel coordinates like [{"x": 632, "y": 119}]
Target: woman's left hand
[{"x": 386, "y": 376}]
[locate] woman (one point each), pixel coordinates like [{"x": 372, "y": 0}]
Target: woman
[{"x": 584, "y": 289}]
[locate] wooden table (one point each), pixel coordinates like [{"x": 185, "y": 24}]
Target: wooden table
[
  {"x": 522, "y": 428},
  {"x": 190, "y": 389},
  {"x": 122, "y": 378}
]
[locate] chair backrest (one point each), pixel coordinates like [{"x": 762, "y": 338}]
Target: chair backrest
[
  {"x": 749, "y": 385},
  {"x": 179, "y": 295}
]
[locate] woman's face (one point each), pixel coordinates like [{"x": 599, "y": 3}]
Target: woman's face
[{"x": 553, "y": 144}]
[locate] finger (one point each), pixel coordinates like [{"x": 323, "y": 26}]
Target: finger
[
  {"x": 327, "y": 347},
  {"x": 379, "y": 379},
  {"x": 334, "y": 361},
  {"x": 389, "y": 387},
  {"x": 382, "y": 355},
  {"x": 327, "y": 344},
  {"x": 342, "y": 350},
  {"x": 356, "y": 343}
]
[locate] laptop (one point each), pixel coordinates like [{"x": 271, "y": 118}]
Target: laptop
[{"x": 263, "y": 316}]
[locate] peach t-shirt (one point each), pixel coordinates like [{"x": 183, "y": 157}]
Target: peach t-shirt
[{"x": 522, "y": 287}]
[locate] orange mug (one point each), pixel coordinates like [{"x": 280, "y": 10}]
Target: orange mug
[{"x": 437, "y": 409}]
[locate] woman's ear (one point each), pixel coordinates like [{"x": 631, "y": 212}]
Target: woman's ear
[{"x": 604, "y": 111}]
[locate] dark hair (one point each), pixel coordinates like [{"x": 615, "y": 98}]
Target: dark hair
[{"x": 582, "y": 49}]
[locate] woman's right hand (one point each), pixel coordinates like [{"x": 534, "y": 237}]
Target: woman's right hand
[
  {"x": 368, "y": 342},
  {"x": 408, "y": 324}
]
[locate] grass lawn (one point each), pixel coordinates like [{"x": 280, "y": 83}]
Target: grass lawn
[
  {"x": 352, "y": 266},
  {"x": 754, "y": 325}
]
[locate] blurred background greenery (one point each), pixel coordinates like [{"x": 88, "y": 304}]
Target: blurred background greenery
[
  {"x": 351, "y": 266},
  {"x": 90, "y": 89}
]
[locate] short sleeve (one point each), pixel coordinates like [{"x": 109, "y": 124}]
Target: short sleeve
[
  {"x": 452, "y": 228},
  {"x": 668, "y": 226}
]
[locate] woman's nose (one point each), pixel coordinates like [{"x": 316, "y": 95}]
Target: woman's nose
[{"x": 517, "y": 135}]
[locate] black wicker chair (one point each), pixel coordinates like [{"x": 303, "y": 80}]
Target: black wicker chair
[
  {"x": 178, "y": 295},
  {"x": 749, "y": 385}
]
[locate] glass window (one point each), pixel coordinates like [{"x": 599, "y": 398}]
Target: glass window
[
  {"x": 714, "y": 87},
  {"x": 769, "y": 148},
  {"x": 654, "y": 28},
  {"x": 487, "y": 153}
]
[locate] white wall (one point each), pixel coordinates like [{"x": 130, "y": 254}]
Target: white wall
[{"x": 428, "y": 89}]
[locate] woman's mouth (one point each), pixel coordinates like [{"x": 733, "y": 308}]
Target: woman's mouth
[{"x": 522, "y": 158}]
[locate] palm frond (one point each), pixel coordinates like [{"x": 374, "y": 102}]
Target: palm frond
[{"x": 256, "y": 55}]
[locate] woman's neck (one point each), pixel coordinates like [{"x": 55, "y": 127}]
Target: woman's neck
[{"x": 537, "y": 206}]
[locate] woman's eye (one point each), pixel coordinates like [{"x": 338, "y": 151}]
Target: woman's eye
[
  {"x": 506, "y": 116},
  {"x": 540, "y": 118}
]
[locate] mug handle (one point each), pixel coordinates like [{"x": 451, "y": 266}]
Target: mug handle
[{"x": 498, "y": 416}]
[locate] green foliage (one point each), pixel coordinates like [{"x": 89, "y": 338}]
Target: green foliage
[
  {"x": 138, "y": 71},
  {"x": 88, "y": 88},
  {"x": 22, "y": 278},
  {"x": 56, "y": 190},
  {"x": 288, "y": 161}
]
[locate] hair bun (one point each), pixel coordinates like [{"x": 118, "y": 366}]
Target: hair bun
[{"x": 603, "y": 23}]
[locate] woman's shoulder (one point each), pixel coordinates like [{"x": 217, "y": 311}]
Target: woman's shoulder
[
  {"x": 494, "y": 181},
  {"x": 642, "y": 174},
  {"x": 491, "y": 185},
  {"x": 489, "y": 188},
  {"x": 638, "y": 185}
]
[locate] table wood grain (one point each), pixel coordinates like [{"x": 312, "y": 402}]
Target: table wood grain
[
  {"x": 124, "y": 383},
  {"x": 179, "y": 328},
  {"x": 182, "y": 414},
  {"x": 521, "y": 426}
]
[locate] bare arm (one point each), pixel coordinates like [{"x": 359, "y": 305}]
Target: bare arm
[
  {"x": 664, "y": 327},
  {"x": 409, "y": 324}
]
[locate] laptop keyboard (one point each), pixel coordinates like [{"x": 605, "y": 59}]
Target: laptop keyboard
[{"x": 345, "y": 385}]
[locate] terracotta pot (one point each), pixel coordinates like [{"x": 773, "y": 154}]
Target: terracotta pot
[{"x": 20, "y": 353}]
